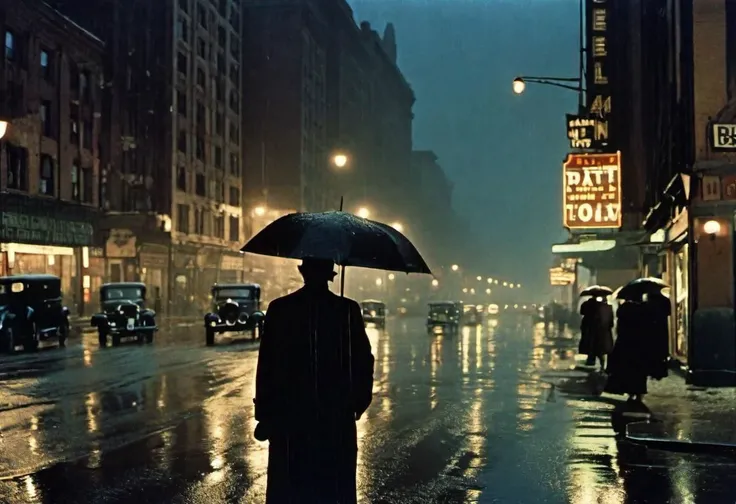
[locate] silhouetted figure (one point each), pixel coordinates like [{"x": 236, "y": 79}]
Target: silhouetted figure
[
  {"x": 314, "y": 380},
  {"x": 637, "y": 354},
  {"x": 596, "y": 328}
]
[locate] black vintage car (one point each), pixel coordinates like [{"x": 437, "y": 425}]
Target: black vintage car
[
  {"x": 124, "y": 313},
  {"x": 374, "y": 312},
  {"x": 444, "y": 314},
  {"x": 31, "y": 312},
  {"x": 235, "y": 308}
]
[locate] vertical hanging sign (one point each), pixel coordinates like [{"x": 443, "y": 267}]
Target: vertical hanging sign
[{"x": 598, "y": 36}]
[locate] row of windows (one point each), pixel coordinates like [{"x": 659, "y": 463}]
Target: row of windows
[
  {"x": 204, "y": 223},
  {"x": 217, "y": 188},
  {"x": 228, "y": 9},
  {"x": 217, "y": 87},
  {"x": 16, "y": 177}
]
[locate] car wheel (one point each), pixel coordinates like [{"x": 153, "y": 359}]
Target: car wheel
[
  {"x": 209, "y": 337},
  {"x": 63, "y": 334},
  {"x": 8, "y": 341},
  {"x": 30, "y": 342},
  {"x": 102, "y": 338}
]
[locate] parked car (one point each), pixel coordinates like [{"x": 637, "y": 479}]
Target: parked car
[
  {"x": 374, "y": 312},
  {"x": 124, "y": 314},
  {"x": 31, "y": 311},
  {"x": 235, "y": 308},
  {"x": 444, "y": 314},
  {"x": 472, "y": 315}
]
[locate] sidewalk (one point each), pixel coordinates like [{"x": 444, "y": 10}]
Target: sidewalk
[
  {"x": 83, "y": 323},
  {"x": 687, "y": 418}
]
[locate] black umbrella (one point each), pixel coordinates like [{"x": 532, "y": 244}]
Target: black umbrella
[
  {"x": 341, "y": 237},
  {"x": 635, "y": 289},
  {"x": 596, "y": 290}
]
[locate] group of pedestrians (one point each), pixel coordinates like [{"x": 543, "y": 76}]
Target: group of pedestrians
[{"x": 640, "y": 349}]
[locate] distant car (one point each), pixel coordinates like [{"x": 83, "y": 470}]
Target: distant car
[
  {"x": 235, "y": 308},
  {"x": 472, "y": 315},
  {"x": 374, "y": 312},
  {"x": 493, "y": 309},
  {"x": 444, "y": 314},
  {"x": 123, "y": 314},
  {"x": 31, "y": 311}
]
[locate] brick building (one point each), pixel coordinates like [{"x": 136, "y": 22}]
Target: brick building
[
  {"x": 50, "y": 160},
  {"x": 172, "y": 145}
]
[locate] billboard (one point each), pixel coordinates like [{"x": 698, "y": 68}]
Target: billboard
[
  {"x": 591, "y": 185},
  {"x": 560, "y": 276}
]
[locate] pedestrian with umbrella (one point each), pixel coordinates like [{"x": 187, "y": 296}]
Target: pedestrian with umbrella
[
  {"x": 596, "y": 326},
  {"x": 315, "y": 367},
  {"x": 639, "y": 351}
]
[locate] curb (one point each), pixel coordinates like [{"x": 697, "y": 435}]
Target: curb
[{"x": 674, "y": 445}]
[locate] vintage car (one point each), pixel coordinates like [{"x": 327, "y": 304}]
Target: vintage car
[
  {"x": 31, "y": 311},
  {"x": 444, "y": 314},
  {"x": 124, "y": 313},
  {"x": 235, "y": 308},
  {"x": 374, "y": 312},
  {"x": 472, "y": 315}
]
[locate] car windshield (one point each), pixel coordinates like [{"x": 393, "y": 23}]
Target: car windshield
[
  {"x": 122, "y": 292},
  {"x": 235, "y": 292}
]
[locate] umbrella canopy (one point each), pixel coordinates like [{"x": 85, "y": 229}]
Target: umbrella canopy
[
  {"x": 596, "y": 290},
  {"x": 635, "y": 290},
  {"x": 341, "y": 237}
]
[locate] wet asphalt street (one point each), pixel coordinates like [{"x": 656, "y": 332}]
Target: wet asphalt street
[{"x": 489, "y": 415}]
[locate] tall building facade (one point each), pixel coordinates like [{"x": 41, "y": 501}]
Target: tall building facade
[
  {"x": 49, "y": 158},
  {"x": 173, "y": 172}
]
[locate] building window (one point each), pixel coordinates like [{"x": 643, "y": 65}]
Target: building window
[
  {"x": 182, "y": 218},
  {"x": 201, "y": 48},
  {"x": 234, "y": 196},
  {"x": 74, "y": 124},
  {"x": 181, "y": 103},
  {"x": 87, "y": 181},
  {"x": 182, "y": 141},
  {"x": 219, "y": 123},
  {"x": 221, "y": 36},
  {"x": 218, "y": 157},
  {"x": 201, "y": 115},
  {"x": 46, "y": 65},
  {"x": 202, "y": 15},
  {"x": 76, "y": 187},
  {"x": 182, "y": 29},
  {"x": 234, "y": 229},
  {"x": 200, "y": 78},
  {"x": 198, "y": 221},
  {"x": 200, "y": 185},
  {"x": 181, "y": 178},
  {"x": 234, "y": 134},
  {"x": 220, "y": 63},
  {"x": 234, "y": 164},
  {"x": 219, "y": 227},
  {"x": 182, "y": 62},
  {"x": 10, "y": 49},
  {"x": 87, "y": 134},
  {"x": 200, "y": 148},
  {"x": 47, "y": 176},
  {"x": 84, "y": 87},
  {"x": 234, "y": 74},
  {"x": 17, "y": 175},
  {"x": 46, "y": 119},
  {"x": 74, "y": 79},
  {"x": 219, "y": 195},
  {"x": 234, "y": 101}
]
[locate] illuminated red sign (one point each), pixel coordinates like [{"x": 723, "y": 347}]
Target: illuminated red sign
[{"x": 592, "y": 191}]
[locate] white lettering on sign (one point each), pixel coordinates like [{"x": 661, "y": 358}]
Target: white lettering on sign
[
  {"x": 724, "y": 136},
  {"x": 592, "y": 191}
]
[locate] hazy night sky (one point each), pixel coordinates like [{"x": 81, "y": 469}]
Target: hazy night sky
[{"x": 503, "y": 152}]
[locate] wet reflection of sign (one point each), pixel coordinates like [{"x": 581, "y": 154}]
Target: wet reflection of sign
[
  {"x": 723, "y": 136},
  {"x": 559, "y": 276},
  {"x": 587, "y": 132},
  {"x": 592, "y": 191}
]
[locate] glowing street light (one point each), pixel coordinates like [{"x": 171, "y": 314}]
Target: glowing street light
[
  {"x": 364, "y": 213},
  {"x": 340, "y": 160},
  {"x": 260, "y": 211},
  {"x": 488, "y": 291},
  {"x": 398, "y": 226},
  {"x": 379, "y": 282},
  {"x": 435, "y": 282},
  {"x": 455, "y": 267},
  {"x": 3, "y": 127},
  {"x": 511, "y": 286},
  {"x": 490, "y": 280},
  {"x": 479, "y": 278},
  {"x": 519, "y": 85},
  {"x": 472, "y": 291},
  {"x": 505, "y": 284},
  {"x": 518, "y": 286},
  {"x": 465, "y": 290}
]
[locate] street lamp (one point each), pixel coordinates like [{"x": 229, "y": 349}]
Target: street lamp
[
  {"x": 391, "y": 276},
  {"x": 398, "y": 226},
  {"x": 519, "y": 83},
  {"x": 260, "y": 211},
  {"x": 340, "y": 160},
  {"x": 3, "y": 127},
  {"x": 435, "y": 282},
  {"x": 455, "y": 267},
  {"x": 490, "y": 280},
  {"x": 379, "y": 282},
  {"x": 518, "y": 286},
  {"x": 488, "y": 291},
  {"x": 363, "y": 212},
  {"x": 479, "y": 278}
]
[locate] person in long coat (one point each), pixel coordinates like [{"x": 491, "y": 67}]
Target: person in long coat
[
  {"x": 314, "y": 380},
  {"x": 587, "y": 310}
]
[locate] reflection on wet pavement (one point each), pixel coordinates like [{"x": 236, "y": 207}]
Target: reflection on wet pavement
[{"x": 494, "y": 413}]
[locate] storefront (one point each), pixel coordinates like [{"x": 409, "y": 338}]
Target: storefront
[
  {"x": 47, "y": 236},
  {"x": 153, "y": 266}
]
